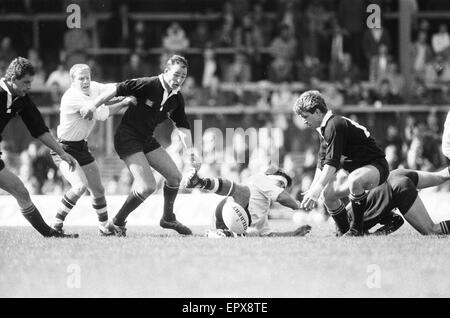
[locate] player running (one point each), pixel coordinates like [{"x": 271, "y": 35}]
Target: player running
[
  {"x": 400, "y": 192},
  {"x": 158, "y": 98},
  {"x": 255, "y": 196},
  {"x": 72, "y": 133},
  {"x": 364, "y": 165},
  {"x": 14, "y": 101}
]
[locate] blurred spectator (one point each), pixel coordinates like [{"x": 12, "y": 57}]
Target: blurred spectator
[
  {"x": 280, "y": 70},
  {"x": 139, "y": 38},
  {"x": 437, "y": 71},
  {"x": 282, "y": 98},
  {"x": 175, "y": 40},
  {"x": 384, "y": 95},
  {"x": 393, "y": 144},
  {"x": 224, "y": 35},
  {"x": 339, "y": 43},
  {"x": 96, "y": 69},
  {"x": 201, "y": 35},
  {"x": 39, "y": 75},
  {"x": 392, "y": 157},
  {"x": 191, "y": 93},
  {"x": 333, "y": 98},
  {"x": 373, "y": 39},
  {"x": 379, "y": 64},
  {"x": 421, "y": 54},
  {"x": 424, "y": 151},
  {"x": 316, "y": 16},
  {"x": 265, "y": 95},
  {"x": 420, "y": 95},
  {"x": 135, "y": 67},
  {"x": 262, "y": 23},
  {"x": 396, "y": 78},
  {"x": 440, "y": 41},
  {"x": 228, "y": 14},
  {"x": 352, "y": 94},
  {"x": 239, "y": 71},
  {"x": 7, "y": 52},
  {"x": 252, "y": 43},
  {"x": 344, "y": 69},
  {"x": 309, "y": 69},
  {"x": 76, "y": 41},
  {"x": 58, "y": 81},
  {"x": 284, "y": 45},
  {"x": 210, "y": 71}
]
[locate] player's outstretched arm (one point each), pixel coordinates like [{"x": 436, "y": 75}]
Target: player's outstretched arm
[
  {"x": 301, "y": 231},
  {"x": 312, "y": 196},
  {"x": 287, "y": 200},
  {"x": 87, "y": 112},
  {"x": 48, "y": 140}
]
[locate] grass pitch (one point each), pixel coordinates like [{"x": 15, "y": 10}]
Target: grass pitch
[{"x": 152, "y": 262}]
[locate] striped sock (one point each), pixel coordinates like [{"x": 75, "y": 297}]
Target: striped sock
[
  {"x": 359, "y": 207},
  {"x": 67, "y": 203},
  {"x": 170, "y": 194},
  {"x": 33, "y": 216},
  {"x": 220, "y": 186},
  {"x": 445, "y": 227},
  {"x": 131, "y": 203},
  {"x": 99, "y": 205},
  {"x": 340, "y": 217}
]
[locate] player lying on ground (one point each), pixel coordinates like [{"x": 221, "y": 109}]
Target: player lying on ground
[
  {"x": 365, "y": 165},
  {"x": 158, "y": 98},
  {"x": 14, "y": 100},
  {"x": 255, "y": 197},
  {"x": 73, "y": 132},
  {"x": 400, "y": 192}
]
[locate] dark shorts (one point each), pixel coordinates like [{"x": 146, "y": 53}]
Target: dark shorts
[
  {"x": 381, "y": 164},
  {"x": 404, "y": 190},
  {"x": 220, "y": 224},
  {"x": 127, "y": 142},
  {"x": 78, "y": 149},
  {"x": 2, "y": 165}
]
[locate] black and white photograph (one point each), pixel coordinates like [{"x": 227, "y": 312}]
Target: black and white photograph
[{"x": 224, "y": 153}]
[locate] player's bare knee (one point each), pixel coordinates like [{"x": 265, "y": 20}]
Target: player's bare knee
[
  {"x": 329, "y": 194},
  {"x": 98, "y": 191},
  {"x": 355, "y": 182},
  {"x": 78, "y": 189},
  {"x": 174, "y": 180},
  {"x": 21, "y": 193},
  {"x": 146, "y": 190}
]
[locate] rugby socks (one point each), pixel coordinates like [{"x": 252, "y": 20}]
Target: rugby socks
[
  {"x": 99, "y": 205},
  {"x": 340, "y": 217},
  {"x": 35, "y": 218},
  {"x": 67, "y": 203},
  {"x": 170, "y": 193},
  {"x": 132, "y": 202},
  {"x": 445, "y": 227},
  {"x": 219, "y": 186},
  {"x": 359, "y": 207}
]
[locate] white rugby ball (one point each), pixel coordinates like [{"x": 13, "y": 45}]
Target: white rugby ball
[{"x": 234, "y": 216}]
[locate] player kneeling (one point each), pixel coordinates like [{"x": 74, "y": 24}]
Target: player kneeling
[{"x": 246, "y": 208}]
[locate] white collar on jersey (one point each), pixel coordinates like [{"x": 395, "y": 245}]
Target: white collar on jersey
[
  {"x": 9, "y": 99},
  {"x": 161, "y": 79},
  {"x": 325, "y": 119}
]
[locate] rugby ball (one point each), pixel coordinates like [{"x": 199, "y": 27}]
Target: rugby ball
[{"x": 234, "y": 216}]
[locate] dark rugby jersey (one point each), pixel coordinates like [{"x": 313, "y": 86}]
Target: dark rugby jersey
[
  {"x": 148, "y": 113},
  {"x": 22, "y": 106},
  {"x": 392, "y": 194},
  {"x": 343, "y": 137}
]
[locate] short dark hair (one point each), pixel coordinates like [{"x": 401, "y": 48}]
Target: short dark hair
[
  {"x": 309, "y": 101},
  {"x": 177, "y": 59},
  {"x": 18, "y": 68}
]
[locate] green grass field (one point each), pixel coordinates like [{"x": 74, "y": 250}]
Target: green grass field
[{"x": 152, "y": 262}]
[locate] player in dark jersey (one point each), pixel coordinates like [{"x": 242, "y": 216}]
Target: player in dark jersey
[
  {"x": 14, "y": 101},
  {"x": 364, "y": 166},
  {"x": 158, "y": 98},
  {"x": 400, "y": 192}
]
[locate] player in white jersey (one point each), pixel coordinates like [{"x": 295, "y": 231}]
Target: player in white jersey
[
  {"x": 446, "y": 137},
  {"x": 256, "y": 196},
  {"x": 72, "y": 133}
]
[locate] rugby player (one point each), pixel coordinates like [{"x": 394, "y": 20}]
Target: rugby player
[
  {"x": 158, "y": 98},
  {"x": 72, "y": 133},
  {"x": 255, "y": 196},
  {"x": 14, "y": 101},
  {"x": 364, "y": 166}
]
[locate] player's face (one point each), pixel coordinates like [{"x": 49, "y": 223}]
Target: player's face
[
  {"x": 175, "y": 75},
  {"x": 82, "y": 81},
  {"x": 22, "y": 86},
  {"x": 312, "y": 120}
]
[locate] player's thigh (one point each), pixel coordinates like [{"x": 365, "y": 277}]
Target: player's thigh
[
  {"x": 241, "y": 194},
  {"x": 94, "y": 179},
  {"x": 419, "y": 218},
  {"x": 338, "y": 186},
  {"x": 144, "y": 181},
  {"x": 76, "y": 178},
  {"x": 13, "y": 185},
  {"x": 367, "y": 177},
  {"x": 160, "y": 160}
]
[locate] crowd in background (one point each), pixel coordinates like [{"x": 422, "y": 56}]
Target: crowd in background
[{"x": 321, "y": 44}]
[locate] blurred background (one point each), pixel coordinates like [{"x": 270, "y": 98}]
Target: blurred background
[{"x": 248, "y": 61}]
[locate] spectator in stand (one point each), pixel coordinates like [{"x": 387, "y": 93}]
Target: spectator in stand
[
  {"x": 373, "y": 39},
  {"x": 253, "y": 42},
  {"x": 317, "y": 16},
  {"x": 76, "y": 41},
  {"x": 282, "y": 98},
  {"x": 385, "y": 96},
  {"x": 210, "y": 71},
  {"x": 424, "y": 151},
  {"x": 379, "y": 64},
  {"x": 333, "y": 98},
  {"x": 339, "y": 43},
  {"x": 39, "y": 76},
  {"x": 135, "y": 67},
  {"x": 352, "y": 95},
  {"x": 239, "y": 71},
  {"x": 437, "y": 71},
  {"x": 201, "y": 35},
  {"x": 396, "y": 78},
  {"x": 310, "y": 68},
  {"x": 393, "y": 144},
  {"x": 440, "y": 41},
  {"x": 281, "y": 70},
  {"x": 345, "y": 69},
  {"x": 224, "y": 36},
  {"x": 138, "y": 41},
  {"x": 421, "y": 54},
  {"x": 191, "y": 93},
  {"x": 228, "y": 14},
  {"x": 420, "y": 95},
  {"x": 58, "y": 81},
  {"x": 262, "y": 22},
  {"x": 7, "y": 52},
  {"x": 175, "y": 40},
  {"x": 284, "y": 45}
]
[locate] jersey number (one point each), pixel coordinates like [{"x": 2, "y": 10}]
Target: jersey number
[{"x": 354, "y": 123}]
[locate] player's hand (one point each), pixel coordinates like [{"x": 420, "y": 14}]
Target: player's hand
[
  {"x": 87, "y": 112},
  {"x": 195, "y": 162},
  {"x": 70, "y": 160},
  {"x": 302, "y": 230},
  {"x": 131, "y": 100}
]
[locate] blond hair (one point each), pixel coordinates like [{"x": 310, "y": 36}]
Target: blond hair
[{"x": 78, "y": 68}]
